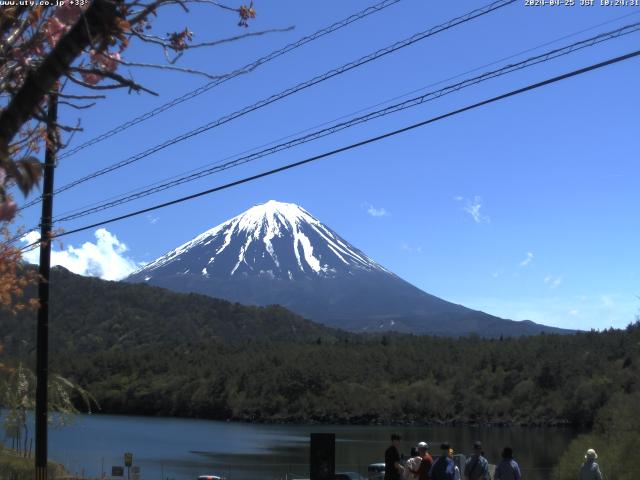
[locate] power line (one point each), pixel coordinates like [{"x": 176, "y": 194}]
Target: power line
[
  {"x": 285, "y": 93},
  {"x": 352, "y": 146},
  {"x": 240, "y": 71},
  {"x": 202, "y": 170},
  {"x": 413, "y": 102},
  {"x": 397, "y": 97},
  {"x": 15, "y": 238}
]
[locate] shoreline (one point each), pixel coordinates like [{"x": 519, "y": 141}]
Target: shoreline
[{"x": 559, "y": 424}]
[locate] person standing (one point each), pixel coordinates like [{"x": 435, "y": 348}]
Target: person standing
[
  {"x": 418, "y": 467},
  {"x": 508, "y": 468},
  {"x": 412, "y": 465},
  {"x": 443, "y": 468},
  {"x": 477, "y": 467},
  {"x": 590, "y": 470},
  {"x": 456, "y": 470},
  {"x": 426, "y": 463},
  {"x": 392, "y": 467}
]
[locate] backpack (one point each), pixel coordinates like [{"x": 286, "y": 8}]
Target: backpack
[
  {"x": 473, "y": 472},
  {"x": 439, "y": 469}
]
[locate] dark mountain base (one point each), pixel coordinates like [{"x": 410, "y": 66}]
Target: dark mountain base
[
  {"x": 371, "y": 302},
  {"x": 144, "y": 350},
  {"x": 92, "y": 315},
  {"x": 278, "y": 253}
]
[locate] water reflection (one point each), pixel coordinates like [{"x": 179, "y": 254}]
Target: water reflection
[{"x": 185, "y": 448}]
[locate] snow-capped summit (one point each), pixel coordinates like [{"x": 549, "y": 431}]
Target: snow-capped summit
[
  {"x": 278, "y": 253},
  {"x": 281, "y": 240}
]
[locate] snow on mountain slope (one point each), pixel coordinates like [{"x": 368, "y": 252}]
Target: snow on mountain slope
[
  {"x": 278, "y": 253},
  {"x": 281, "y": 240}
]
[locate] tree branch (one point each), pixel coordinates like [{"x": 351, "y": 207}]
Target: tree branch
[
  {"x": 162, "y": 42},
  {"x": 76, "y": 106},
  {"x": 81, "y": 97},
  {"x": 213, "y": 2},
  {"x": 171, "y": 67},
  {"x": 100, "y": 18},
  {"x": 62, "y": 145},
  {"x": 122, "y": 81}
]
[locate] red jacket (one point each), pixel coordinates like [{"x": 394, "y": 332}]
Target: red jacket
[{"x": 425, "y": 466}]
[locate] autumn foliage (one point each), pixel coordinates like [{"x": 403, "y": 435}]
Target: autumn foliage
[
  {"x": 75, "y": 51},
  {"x": 13, "y": 278},
  {"x": 72, "y": 47}
]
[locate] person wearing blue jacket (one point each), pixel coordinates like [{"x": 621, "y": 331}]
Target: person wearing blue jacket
[
  {"x": 444, "y": 467},
  {"x": 477, "y": 467},
  {"x": 508, "y": 468},
  {"x": 590, "y": 470}
]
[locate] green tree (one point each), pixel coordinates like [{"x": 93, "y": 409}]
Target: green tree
[{"x": 18, "y": 397}]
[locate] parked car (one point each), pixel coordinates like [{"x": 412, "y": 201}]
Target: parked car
[
  {"x": 375, "y": 471},
  {"x": 348, "y": 476}
]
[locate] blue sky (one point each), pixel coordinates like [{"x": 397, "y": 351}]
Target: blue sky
[{"x": 525, "y": 209}]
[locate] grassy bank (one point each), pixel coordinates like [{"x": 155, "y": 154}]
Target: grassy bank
[
  {"x": 615, "y": 437},
  {"x": 14, "y": 466}
]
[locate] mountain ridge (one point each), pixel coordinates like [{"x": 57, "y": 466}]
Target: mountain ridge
[
  {"x": 88, "y": 314},
  {"x": 278, "y": 253},
  {"x": 268, "y": 223}
]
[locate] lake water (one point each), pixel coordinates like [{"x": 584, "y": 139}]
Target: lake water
[{"x": 171, "y": 448}]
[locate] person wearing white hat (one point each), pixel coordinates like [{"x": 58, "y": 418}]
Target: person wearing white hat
[
  {"x": 590, "y": 470},
  {"x": 426, "y": 461}
]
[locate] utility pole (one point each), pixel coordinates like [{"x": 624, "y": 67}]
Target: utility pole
[{"x": 42, "y": 339}]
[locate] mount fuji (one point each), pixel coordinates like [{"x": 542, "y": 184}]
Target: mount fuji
[{"x": 278, "y": 253}]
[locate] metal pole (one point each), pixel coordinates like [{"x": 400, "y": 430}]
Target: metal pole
[{"x": 42, "y": 341}]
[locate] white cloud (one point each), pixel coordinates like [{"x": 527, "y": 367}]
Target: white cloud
[
  {"x": 105, "y": 258},
  {"x": 561, "y": 311},
  {"x": 152, "y": 220},
  {"x": 473, "y": 207},
  {"x": 410, "y": 249},
  {"x": 553, "y": 281},
  {"x": 376, "y": 212},
  {"x": 607, "y": 301},
  {"x": 527, "y": 260}
]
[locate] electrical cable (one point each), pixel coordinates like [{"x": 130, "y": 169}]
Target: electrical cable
[
  {"x": 385, "y": 102},
  {"x": 352, "y": 146},
  {"x": 200, "y": 169},
  {"x": 240, "y": 71},
  {"x": 413, "y": 102},
  {"x": 285, "y": 93}
]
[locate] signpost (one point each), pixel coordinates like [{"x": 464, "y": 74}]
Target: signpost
[
  {"x": 128, "y": 461},
  {"x": 117, "y": 471},
  {"x": 135, "y": 472}
]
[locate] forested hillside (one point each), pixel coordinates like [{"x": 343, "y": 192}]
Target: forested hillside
[
  {"x": 535, "y": 380},
  {"x": 140, "y": 349},
  {"x": 93, "y": 315}
]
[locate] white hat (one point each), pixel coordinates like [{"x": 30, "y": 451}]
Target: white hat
[
  {"x": 591, "y": 454},
  {"x": 424, "y": 445}
]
